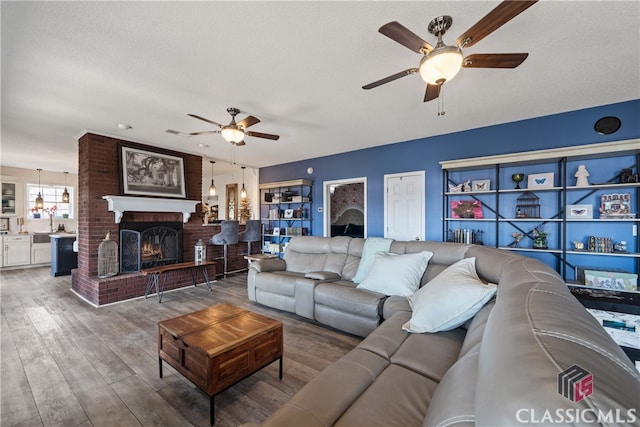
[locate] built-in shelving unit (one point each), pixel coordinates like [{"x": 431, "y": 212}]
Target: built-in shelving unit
[
  {"x": 499, "y": 200},
  {"x": 285, "y": 212}
]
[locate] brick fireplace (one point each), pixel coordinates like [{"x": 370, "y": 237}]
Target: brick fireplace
[{"x": 98, "y": 175}]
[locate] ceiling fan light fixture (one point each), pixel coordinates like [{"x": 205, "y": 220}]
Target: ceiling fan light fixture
[
  {"x": 441, "y": 64},
  {"x": 232, "y": 134}
]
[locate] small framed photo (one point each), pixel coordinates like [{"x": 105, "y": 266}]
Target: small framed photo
[
  {"x": 481, "y": 185},
  {"x": 276, "y": 231},
  {"x": 540, "y": 180},
  {"x": 579, "y": 212},
  {"x": 288, "y": 213}
]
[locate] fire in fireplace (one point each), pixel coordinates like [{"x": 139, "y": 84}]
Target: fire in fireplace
[{"x": 149, "y": 244}]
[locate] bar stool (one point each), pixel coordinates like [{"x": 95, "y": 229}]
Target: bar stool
[
  {"x": 228, "y": 235},
  {"x": 252, "y": 233}
]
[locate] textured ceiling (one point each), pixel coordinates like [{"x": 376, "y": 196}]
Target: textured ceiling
[{"x": 299, "y": 66}]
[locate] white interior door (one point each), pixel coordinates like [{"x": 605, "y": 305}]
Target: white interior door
[{"x": 404, "y": 206}]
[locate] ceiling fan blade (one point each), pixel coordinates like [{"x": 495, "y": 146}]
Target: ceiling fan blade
[
  {"x": 407, "y": 38},
  {"x": 205, "y": 120},
  {"x": 494, "y": 60},
  {"x": 240, "y": 143},
  {"x": 248, "y": 121},
  {"x": 432, "y": 92},
  {"x": 204, "y": 132},
  {"x": 391, "y": 78},
  {"x": 263, "y": 135},
  {"x": 499, "y": 16}
]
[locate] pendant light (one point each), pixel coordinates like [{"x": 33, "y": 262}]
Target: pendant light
[
  {"x": 65, "y": 193},
  {"x": 243, "y": 192},
  {"x": 39, "y": 200},
  {"x": 212, "y": 188}
]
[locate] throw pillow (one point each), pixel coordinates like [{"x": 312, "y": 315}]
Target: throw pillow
[
  {"x": 449, "y": 299},
  {"x": 371, "y": 246},
  {"x": 396, "y": 274}
]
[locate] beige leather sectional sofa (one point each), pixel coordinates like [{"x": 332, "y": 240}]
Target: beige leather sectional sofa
[{"x": 531, "y": 355}]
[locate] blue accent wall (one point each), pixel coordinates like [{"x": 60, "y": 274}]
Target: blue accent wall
[{"x": 558, "y": 130}]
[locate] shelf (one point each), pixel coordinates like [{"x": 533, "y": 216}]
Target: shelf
[
  {"x": 471, "y": 219},
  {"x": 603, "y": 186},
  {"x": 532, "y": 190},
  {"x": 550, "y": 251},
  {"x": 603, "y": 220},
  {"x": 529, "y": 220},
  {"x": 615, "y": 254}
]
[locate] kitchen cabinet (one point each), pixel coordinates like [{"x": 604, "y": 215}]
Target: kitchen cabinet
[
  {"x": 16, "y": 250},
  {"x": 40, "y": 249},
  {"x": 8, "y": 198},
  {"x": 63, "y": 258}
]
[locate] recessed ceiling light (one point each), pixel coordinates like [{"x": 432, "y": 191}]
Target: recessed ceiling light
[{"x": 123, "y": 126}]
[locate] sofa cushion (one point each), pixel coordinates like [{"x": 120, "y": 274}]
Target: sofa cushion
[
  {"x": 345, "y": 297},
  {"x": 396, "y": 274},
  {"x": 398, "y": 397},
  {"x": 450, "y": 299},
  {"x": 279, "y": 282}
]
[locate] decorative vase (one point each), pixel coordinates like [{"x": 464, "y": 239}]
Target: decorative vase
[
  {"x": 36, "y": 215},
  {"x": 517, "y": 178}
]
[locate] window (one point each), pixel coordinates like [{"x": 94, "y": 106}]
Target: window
[{"x": 52, "y": 196}]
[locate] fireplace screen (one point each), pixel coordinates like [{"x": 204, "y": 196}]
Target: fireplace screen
[{"x": 145, "y": 245}]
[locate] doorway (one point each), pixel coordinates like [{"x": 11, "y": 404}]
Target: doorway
[
  {"x": 345, "y": 207},
  {"x": 404, "y": 206}
]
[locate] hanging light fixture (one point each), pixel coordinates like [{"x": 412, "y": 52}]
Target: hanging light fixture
[
  {"x": 243, "y": 192},
  {"x": 65, "y": 193},
  {"x": 212, "y": 188},
  {"x": 39, "y": 200}
]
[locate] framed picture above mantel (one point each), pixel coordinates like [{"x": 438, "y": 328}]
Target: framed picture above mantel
[{"x": 146, "y": 173}]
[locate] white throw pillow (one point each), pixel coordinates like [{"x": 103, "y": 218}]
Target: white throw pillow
[
  {"x": 449, "y": 299},
  {"x": 393, "y": 274}
]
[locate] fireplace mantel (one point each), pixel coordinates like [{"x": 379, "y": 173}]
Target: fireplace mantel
[{"x": 121, "y": 204}]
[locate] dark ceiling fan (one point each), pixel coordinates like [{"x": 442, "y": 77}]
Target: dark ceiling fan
[
  {"x": 235, "y": 132},
  {"x": 441, "y": 63}
]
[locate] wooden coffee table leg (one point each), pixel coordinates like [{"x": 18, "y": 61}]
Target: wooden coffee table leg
[
  {"x": 212, "y": 418},
  {"x": 280, "y": 367},
  {"x": 160, "y": 366}
]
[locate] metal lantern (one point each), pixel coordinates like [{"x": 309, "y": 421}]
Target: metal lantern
[
  {"x": 107, "y": 257},
  {"x": 200, "y": 252}
]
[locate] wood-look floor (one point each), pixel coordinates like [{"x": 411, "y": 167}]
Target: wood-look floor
[{"x": 66, "y": 363}]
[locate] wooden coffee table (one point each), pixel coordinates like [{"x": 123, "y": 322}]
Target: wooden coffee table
[{"x": 217, "y": 347}]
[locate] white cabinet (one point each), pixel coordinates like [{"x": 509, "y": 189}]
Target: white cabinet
[
  {"x": 41, "y": 253},
  {"x": 16, "y": 250},
  {"x": 8, "y": 198}
]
